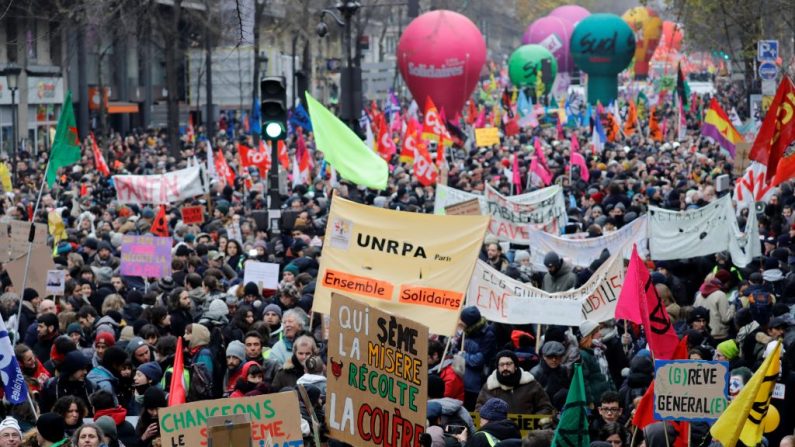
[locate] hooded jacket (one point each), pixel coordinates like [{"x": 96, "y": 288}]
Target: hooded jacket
[
  {"x": 502, "y": 430},
  {"x": 480, "y": 345},
  {"x": 528, "y": 397},
  {"x": 555, "y": 381},
  {"x": 560, "y": 281},
  {"x": 124, "y": 429},
  {"x": 453, "y": 383},
  {"x": 453, "y": 409},
  {"x": 721, "y": 312}
]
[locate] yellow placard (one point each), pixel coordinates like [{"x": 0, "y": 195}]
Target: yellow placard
[{"x": 487, "y": 136}]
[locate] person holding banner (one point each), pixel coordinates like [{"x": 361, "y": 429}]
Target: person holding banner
[{"x": 477, "y": 342}]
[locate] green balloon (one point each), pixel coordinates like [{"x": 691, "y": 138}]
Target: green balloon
[{"x": 525, "y": 63}]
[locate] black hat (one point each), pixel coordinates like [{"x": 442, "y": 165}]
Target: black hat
[
  {"x": 29, "y": 294},
  {"x": 251, "y": 289},
  {"x": 91, "y": 243},
  {"x": 183, "y": 250},
  {"x": 698, "y": 313},
  {"x": 154, "y": 397},
  {"x": 510, "y": 354},
  {"x": 72, "y": 362},
  {"x": 51, "y": 427}
]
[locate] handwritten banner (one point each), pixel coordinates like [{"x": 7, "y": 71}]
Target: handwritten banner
[
  {"x": 511, "y": 221},
  {"x": 146, "y": 256},
  {"x": 690, "y": 390},
  {"x": 487, "y": 136},
  {"x": 469, "y": 208},
  {"x": 275, "y": 416},
  {"x": 503, "y": 299},
  {"x": 378, "y": 387},
  {"x": 160, "y": 189}
]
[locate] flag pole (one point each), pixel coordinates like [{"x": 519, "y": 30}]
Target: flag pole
[{"x": 31, "y": 235}]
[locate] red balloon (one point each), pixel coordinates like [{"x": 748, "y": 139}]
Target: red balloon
[{"x": 440, "y": 55}]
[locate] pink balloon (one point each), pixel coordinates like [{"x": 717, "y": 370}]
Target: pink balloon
[
  {"x": 554, "y": 34},
  {"x": 573, "y": 13},
  {"x": 440, "y": 55}
]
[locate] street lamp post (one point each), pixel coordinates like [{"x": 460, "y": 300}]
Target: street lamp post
[
  {"x": 11, "y": 73},
  {"x": 352, "y": 75}
]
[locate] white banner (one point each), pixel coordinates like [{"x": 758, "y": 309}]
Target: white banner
[
  {"x": 582, "y": 251},
  {"x": 505, "y": 300},
  {"x": 511, "y": 221},
  {"x": 701, "y": 232},
  {"x": 446, "y": 196},
  {"x": 160, "y": 189}
]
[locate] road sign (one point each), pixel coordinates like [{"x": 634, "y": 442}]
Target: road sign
[
  {"x": 766, "y": 50},
  {"x": 769, "y": 87},
  {"x": 767, "y": 70}
]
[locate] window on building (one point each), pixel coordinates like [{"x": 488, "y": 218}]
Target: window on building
[
  {"x": 11, "y": 40},
  {"x": 32, "y": 40},
  {"x": 55, "y": 43}
]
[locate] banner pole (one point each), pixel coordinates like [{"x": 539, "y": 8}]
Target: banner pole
[{"x": 31, "y": 236}]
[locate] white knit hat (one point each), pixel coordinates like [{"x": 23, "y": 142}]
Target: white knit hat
[{"x": 10, "y": 422}]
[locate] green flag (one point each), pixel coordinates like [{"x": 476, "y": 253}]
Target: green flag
[
  {"x": 66, "y": 146},
  {"x": 572, "y": 429},
  {"x": 344, "y": 150}
]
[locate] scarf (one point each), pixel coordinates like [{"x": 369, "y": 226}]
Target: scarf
[
  {"x": 707, "y": 288},
  {"x": 599, "y": 354},
  {"x": 475, "y": 328}
]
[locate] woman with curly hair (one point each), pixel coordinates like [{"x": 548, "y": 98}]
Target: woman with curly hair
[{"x": 73, "y": 411}]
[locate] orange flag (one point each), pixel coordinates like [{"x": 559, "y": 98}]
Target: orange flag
[
  {"x": 655, "y": 132},
  {"x": 632, "y": 119}
]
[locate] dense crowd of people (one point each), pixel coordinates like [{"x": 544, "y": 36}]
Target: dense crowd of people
[{"x": 104, "y": 351}]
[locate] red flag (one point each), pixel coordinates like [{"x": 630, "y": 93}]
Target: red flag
[
  {"x": 543, "y": 176},
  {"x": 655, "y": 132},
  {"x": 284, "y": 157},
  {"x": 386, "y": 147},
  {"x": 512, "y": 126},
  {"x": 222, "y": 168},
  {"x": 539, "y": 153},
  {"x": 160, "y": 225},
  {"x": 424, "y": 169},
  {"x": 472, "y": 113},
  {"x": 431, "y": 125},
  {"x": 639, "y": 299},
  {"x": 176, "y": 391},
  {"x": 302, "y": 153},
  {"x": 776, "y": 134},
  {"x": 259, "y": 159},
  {"x": 99, "y": 160},
  {"x": 517, "y": 178},
  {"x": 410, "y": 139}
]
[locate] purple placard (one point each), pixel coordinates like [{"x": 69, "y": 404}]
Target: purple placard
[{"x": 146, "y": 256}]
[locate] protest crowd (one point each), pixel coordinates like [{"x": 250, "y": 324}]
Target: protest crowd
[{"x": 99, "y": 359}]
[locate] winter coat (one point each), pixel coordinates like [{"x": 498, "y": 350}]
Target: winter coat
[
  {"x": 528, "y": 397},
  {"x": 641, "y": 374},
  {"x": 562, "y": 280},
  {"x": 480, "y": 346},
  {"x": 124, "y": 429},
  {"x": 280, "y": 352},
  {"x": 102, "y": 379},
  {"x": 453, "y": 383},
  {"x": 57, "y": 387},
  {"x": 453, "y": 411},
  {"x": 502, "y": 430},
  {"x": 596, "y": 383},
  {"x": 315, "y": 380},
  {"x": 721, "y": 313},
  {"x": 287, "y": 376},
  {"x": 555, "y": 381},
  {"x": 180, "y": 319}
]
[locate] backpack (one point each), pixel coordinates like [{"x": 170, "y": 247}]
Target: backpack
[
  {"x": 760, "y": 304},
  {"x": 201, "y": 384}
]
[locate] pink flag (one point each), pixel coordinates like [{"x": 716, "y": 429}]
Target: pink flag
[
  {"x": 639, "y": 302},
  {"x": 578, "y": 160},
  {"x": 540, "y": 172},
  {"x": 542, "y": 157},
  {"x": 575, "y": 143},
  {"x": 559, "y": 127},
  {"x": 397, "y": 123},
  {"x": 481, "y": 120},
  {"x": 517, "y": 178}
]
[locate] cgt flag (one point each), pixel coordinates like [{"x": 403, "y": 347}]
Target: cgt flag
[
  {"x": 776, "y": 134},
  {"x": 16, "y": 390}
]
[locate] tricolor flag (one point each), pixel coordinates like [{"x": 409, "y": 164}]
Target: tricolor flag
[{"x": 718, "y": 127}]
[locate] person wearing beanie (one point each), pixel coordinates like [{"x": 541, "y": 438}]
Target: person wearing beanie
[
  {"x": 109, "y": 434},
  {"x": 727, "y": 351},
  {"x": 148, "y": 427},
  {"x": 30, "y": 305},
  {"x": 288, "y": 296},
  {"x": 479, "y": 346},
  {"x": 104, "y": 404},
  {"x": 198, "y": 338},
  {"x": 10, "y": 433},
  {"x": 235, "y": 358},
  {"x": 71, "y": 380},
  {"x": 494, "y": 425},
  {"x": 559, "y": 276},
  {"x": 217, "y": 314},
  {"x": 147, "y": 375},
  {"x": 251, "y": 290},
  {"x": 138, "y": 351},
  {"x": 60, "y": 347},
  {"x": 591, "y": 350},
  {"x": 721, "y": 313},
  {"x": 517, "y": 387},
  {"x": 272, "y": 316},
  {"x": 50, "y": 428}
]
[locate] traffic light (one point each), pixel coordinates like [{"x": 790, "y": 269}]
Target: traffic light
[{"x": 273, "y": 92}]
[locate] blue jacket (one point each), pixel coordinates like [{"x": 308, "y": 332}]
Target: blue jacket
[
  {"x": 101, "y": 379},
  {"x": 480, "y": 346}
]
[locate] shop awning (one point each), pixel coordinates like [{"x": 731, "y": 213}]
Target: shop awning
[{"x": 122, "y": 107}]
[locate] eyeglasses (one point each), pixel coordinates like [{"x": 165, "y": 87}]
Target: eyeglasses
[
  {"x": 501, "y": 364},
  {"x": 610, "y": 409}
]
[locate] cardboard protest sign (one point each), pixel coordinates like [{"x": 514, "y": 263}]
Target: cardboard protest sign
[
  {"x": 378, "y": 387},
  {"x": 271, "y": 415},
  {"x": 160, "y": 189},
  {"x": 192, "y": 214},
  {"x": 40, "y": 263},
  {"x": 487, "y": 136},
  {"x": 408, "y": 264},
  {"x": 525, "y": 422},
  {"x": 14, "y": 238},
  {"x": 503, "y": 299},
  {"x": 690, "y": 390},
  {"x": 56, "y": 282},
  {"x": 146, "y": 256},
  {"x": 264, "y": 274},
  {"x": 469, "y": 208}
]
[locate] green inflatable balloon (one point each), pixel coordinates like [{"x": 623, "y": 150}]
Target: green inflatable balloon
[
  {"x": 525, "y": 63},
  {"x": 602, "y": 46}
]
